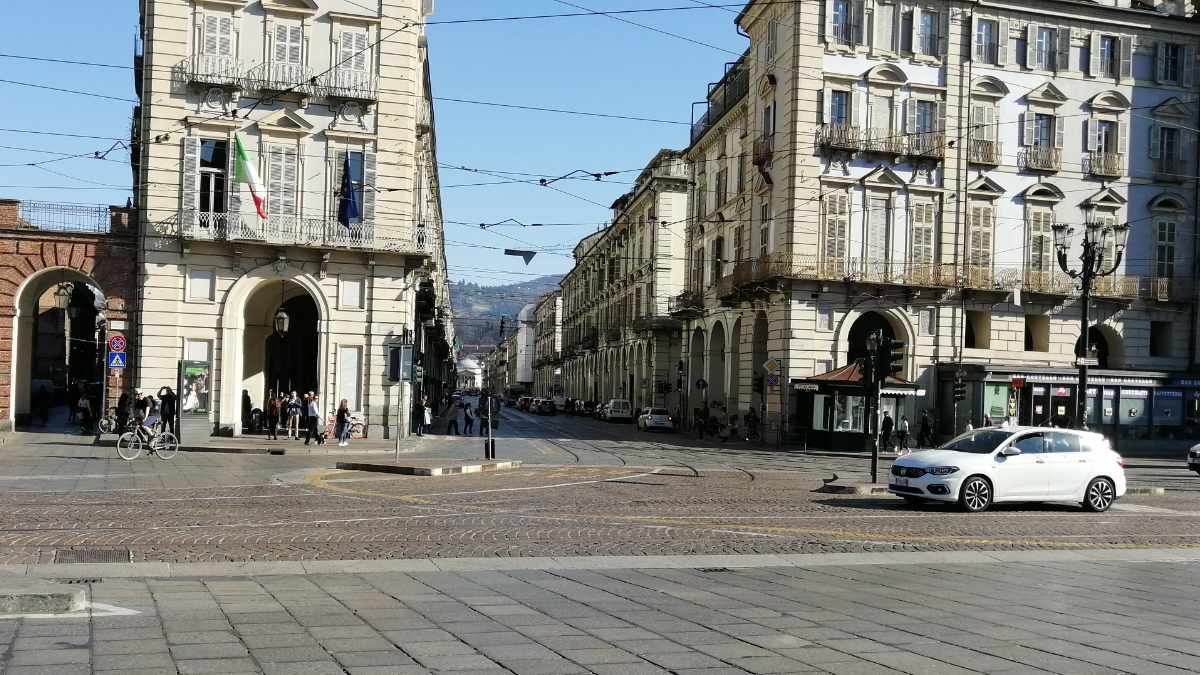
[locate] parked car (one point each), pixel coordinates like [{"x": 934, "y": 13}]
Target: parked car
[
  {"x": 656, "y": 418},
  {"x": 546, "y": 406},
  {"x": 523, "y": 402},
  {"x": 1014, "y": 464},
  {"x": 585, "y": 408},
  {"x": 1194, "y": 458},
  {"x": 618, "y": 409}
]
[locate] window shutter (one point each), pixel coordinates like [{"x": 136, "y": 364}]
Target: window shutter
[
  {"x": 210, "y": 34},
  {"x": 858, "y": 19},
  {"x": 895, "y": 41},
  {"x": 829, "y": 38},
  {"x": 362, "y": 51},
  {"x": 1092, "y": 128},
  {"x": 1027, "y": 122},
  {"x": 916, "y": 30},
  {"x": 941, "y": 116},
  {"x": 1094, "y": 55},
  {"x": 1126, "y": 58},
  {"x": 225, "y": 36},
  {"x": 1060, "y": 128},
  {"x": 345, "y": 57},
  {"x": 1187, "y": 140},
  {"x": 993, "y": 133},
  {"x": 275, "y": 184},
  {"x": 233, "y": 191},
  {"x": 826, "y": 107},
  {"x": 856, "y": 108},
  {"x": 191, "y": 174},
  {"x": 1155, "y": 141},
  {"x": 1031, "y": 36},
  {"x": 296, "y": 39},
  {"x": 1160, "y": 61},
  {"x": 910, "y": 109},
  {"x": 1002, "y": 43},
  {"x": 368, "y": 193},
  {"x": 280, "y": 48},
  {"x": 944, "y": 33},
  {"x": 1122, "y": 137},
  {"x": 1187, "y": 69},
  {"x": 976, "y": 40},
  {"x": 1063, "y": 59}
]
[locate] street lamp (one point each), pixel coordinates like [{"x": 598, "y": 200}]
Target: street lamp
[
  {"x": 62, "y": 296},
  {"x": 282, "y": 321},
  {"x": 1092, "y": 265},
  {"x": 871, "y": 424}
]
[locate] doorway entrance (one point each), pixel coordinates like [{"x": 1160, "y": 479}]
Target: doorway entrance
[{"x": 280, "y": 348}]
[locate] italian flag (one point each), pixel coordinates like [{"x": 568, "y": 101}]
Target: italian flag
[{"x": 244, "y": 173}]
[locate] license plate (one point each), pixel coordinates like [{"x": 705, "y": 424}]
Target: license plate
[{"x": 902, "y": 482}]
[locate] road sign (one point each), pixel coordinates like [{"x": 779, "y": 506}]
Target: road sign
[
  {"x": 116, "y": 343},
  {"x": 772, "y": 380},
  {"x": 1018, "y": 382},
  {"x": 701, "y": 384},
  {"x": 773, "y": 365},
  {"x": 116, "y": 359}
]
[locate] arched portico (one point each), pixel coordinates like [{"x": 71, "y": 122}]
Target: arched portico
[
  {"x": 854, "y": 327},
  {"x": 716, "y": 363},
  {"x": 241, "y": 323}
]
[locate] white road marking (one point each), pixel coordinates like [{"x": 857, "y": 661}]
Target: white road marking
[{"x": 95, "y": 609}]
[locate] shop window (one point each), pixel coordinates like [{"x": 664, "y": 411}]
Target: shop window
[
  {"x": 1160, "y": 338},
  {"x": 1037, "y": 333},
  {"x": 979, "y": 330}
]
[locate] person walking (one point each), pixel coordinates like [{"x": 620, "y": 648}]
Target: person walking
[
  {"x": 885, "y": 432},
  {"x": 273, "y": 409},
  {"x": 168, "y": 408},
  {"x": 902, "y": 433},
  {"x": 314, "y": 415},
  {"x": 247, "y": 407},
  {"x": 343, "y": 423},
  {"x": 452, "y": 414},
  {"x": 293, "y": 417},
  {"x": 925, "y": 436},
  {"x": 468, "y": 419}
]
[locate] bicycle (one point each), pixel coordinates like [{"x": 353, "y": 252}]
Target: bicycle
[
  {"x": 108, "y": 423},
  {"x": 162, "y": 444}
]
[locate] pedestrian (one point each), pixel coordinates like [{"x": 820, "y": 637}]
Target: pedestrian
[
  {"x": 73, "y": 404},
  {"x": 902, "y": 432},
  {"x": 293, "y": 417},
  {"x": 987, "y": 420},
  {"x": 468, "y": 419},
  {"x": 885, "y": 432},
  {"x": 343, "y": 423},
  {"x": 273, "y": 410},
  {"x": 427, "y": 414},
  {"x": 247, "y": 408},
  {"x": 925, "y": 437},
  {"x": 122, "y": 412},
  {"x": 701, "y": 421},
  {"x": 167, "y": 407},
  {"x": 314, "y": 414},
  {"x": 452, "y": 414}
]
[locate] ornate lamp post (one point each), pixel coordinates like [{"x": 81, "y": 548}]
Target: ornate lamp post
[
  {"x": 871, "y": 424},
  {"x": 1092, "y": 265}
]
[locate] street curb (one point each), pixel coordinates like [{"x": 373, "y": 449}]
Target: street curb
[
  {"x": 22, "y": 595},
  {"x": 1153, "y": 490},
  {"x": 447, "y": 470}
]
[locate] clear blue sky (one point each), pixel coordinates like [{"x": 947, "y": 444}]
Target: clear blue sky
[{"x": 591, "y": 63}]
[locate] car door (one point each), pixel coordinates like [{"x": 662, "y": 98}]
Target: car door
[
  {"x": 1069, "y": 468},
  {"x": 1023, "y": 476}
]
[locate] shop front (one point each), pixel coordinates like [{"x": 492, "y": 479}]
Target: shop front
[{"x": 830, "y": 410}]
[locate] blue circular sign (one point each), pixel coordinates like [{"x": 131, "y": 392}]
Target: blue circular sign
[{"x": 116, "y": 343}]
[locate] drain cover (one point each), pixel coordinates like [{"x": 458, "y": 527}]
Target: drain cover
[{"x": 92, "y": 555}]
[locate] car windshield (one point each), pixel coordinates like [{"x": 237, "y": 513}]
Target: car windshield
[
  {"x": 979, "y": 441},
  {"x": 658, "y": 411}
]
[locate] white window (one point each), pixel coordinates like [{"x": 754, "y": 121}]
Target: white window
[
  {"x": 1164, "y": 253},
  {"x": 979, "y": 239},
  {"x": 1107, "y": 59},
  {"x": 353, "y": 51},
  {"x": 839, "y": 107},
  {"x": 282, "y": 183},
  {"x": 201, "y": 285},
  {"x": 926, "y": 116},
  {"x": 986, "y": 31},
  {"x": 1171, "y": 62},
  {"x": 879, "y": 214},
  {"x": 772, "y": 38},
  {"x": 214, "y": 162},
  {"x": 289, "y": 45},
  {"x": 928, "y": 34},
  {"x": 764, "y": 227},
  {"x": 197, "y": 350},
  {"x": 885, "y": 26},
  {"x": 1041, "y": 223},
  {"x": 837, "y": 226},
  {"x": 351, "y": 292},
  {"x": 1047, "y": 46},
  {"x": 349, "y": 376},
  {"x": 922, "y": 234},
  {"x": 1166, "y": 146},
  {"x": 218, "y": 35}
]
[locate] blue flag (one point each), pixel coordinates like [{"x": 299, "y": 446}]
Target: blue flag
[{"x": 348, "y": 207}]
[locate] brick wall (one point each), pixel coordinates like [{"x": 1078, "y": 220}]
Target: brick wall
[{"x": 109, "y": 260}]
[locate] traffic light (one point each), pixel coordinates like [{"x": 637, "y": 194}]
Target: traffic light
[
  {"x": 960, "y": 390},
  {"x": 758, "y": 384},
  {"x": 890, "y": 359}
]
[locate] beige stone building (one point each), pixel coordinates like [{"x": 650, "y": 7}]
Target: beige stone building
[
  {"x": 547, "y": 346},
  {"x": 619, "y": 340},
  {"x": 323, "y": 94}
]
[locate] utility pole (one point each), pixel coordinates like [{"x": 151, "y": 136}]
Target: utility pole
[{"x": 1095, "y": 242}]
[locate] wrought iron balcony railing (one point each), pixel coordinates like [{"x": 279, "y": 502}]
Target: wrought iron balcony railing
[
  {"x": 883, "y": 141},
  {"x": 839, "y": 137},
  {"x": 1106, "y": 164},
  {"x": 350, "y": 84},
  {"x": 275, "y": 76},
  {"x": 289, "y": 230},
  {"x": 687, "y": 302},
  {"x": 215, "y": 70},
  {"x": 986, "y": 152},
  {"x": 1040, "y": 158},
  {"x": 927, "y": 144}
]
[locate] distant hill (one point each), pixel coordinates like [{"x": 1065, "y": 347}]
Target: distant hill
[{"x": 478, "y": 309}]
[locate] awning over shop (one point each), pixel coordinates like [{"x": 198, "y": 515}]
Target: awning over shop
[{"x": 850, "y": 378}]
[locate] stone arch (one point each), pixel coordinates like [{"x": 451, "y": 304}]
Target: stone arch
[
  {"x": 695, "y": 369},
  {"x": 735, "y": 364},
  {"x": 717, "y": 365},
  {"x": 759, "y": 342},
  {"x": 234, "y": 324},
  {"x": 894, "y": 319},
  {"x": 1107, "y": 344}
]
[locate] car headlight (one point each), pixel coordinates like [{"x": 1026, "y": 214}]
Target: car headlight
[{"x": 943, "y": 470}]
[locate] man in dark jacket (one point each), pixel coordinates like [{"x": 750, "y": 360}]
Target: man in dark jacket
[
  {"x": 167, "y": 407},
  {"x": 885, "y": 432}
]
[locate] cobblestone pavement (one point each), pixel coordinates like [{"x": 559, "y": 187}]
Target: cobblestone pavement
[{"x": 1011, "y": 617}]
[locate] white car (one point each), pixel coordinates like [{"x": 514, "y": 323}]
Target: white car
[
  {"x": 618, "y": 409},
  {"x": 1194, "y": 458},
  {"x": 1013, "y": 464},
  {"x": 656, "y": 418}
]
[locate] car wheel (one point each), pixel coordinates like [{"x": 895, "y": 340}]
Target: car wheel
[
  {"x": 1100, "y": 495},
  {"x": 975, "y": 495}
]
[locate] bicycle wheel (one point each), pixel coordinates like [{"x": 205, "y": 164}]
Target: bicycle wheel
[
  {"x": 166, "y": 445},
  {"x": 129, "y": 446},
  {"x": 107, "y": 425}
]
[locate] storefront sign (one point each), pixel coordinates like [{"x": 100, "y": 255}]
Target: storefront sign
[
  {"x": 1018, "y": 382},
  {"x": 1135, "y": 393},
  {"x": 1062, "y": 391}
]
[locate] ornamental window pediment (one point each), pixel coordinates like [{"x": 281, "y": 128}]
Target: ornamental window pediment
[{"x": 1046, "y": 94}]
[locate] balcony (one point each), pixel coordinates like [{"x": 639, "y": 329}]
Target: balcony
[
  {"x": 686, "y": 304},
  {"x": 722, "y": 97},
  {"x": 763, "y": 150},
  {"x": 350, "y": 85},
  {"x": 986, "y": 152},
  {"x": 211, "y": 70},
  {"x": 674, "y": 167},
  {"x": 1105, "y": 164},
  {"x": 725, "y": 286},
  {"x": 931, "y": 144},
  {"x": 839, "y": 137},
  {"x": 1170, "y": 170},
  {"x": 884, "y": 142},
  {"x": 1040, "y": 158},
  {"x": 863, "y": 270},
  {"x": 1168, "y": 289},
  {"x": 278, "y": 77},
  {"x": 590, "y": 340},
  {"x": 1047, "y": 282},
  {"x": 287, "y": 230},
  {"x": 1120, "y": 286}
]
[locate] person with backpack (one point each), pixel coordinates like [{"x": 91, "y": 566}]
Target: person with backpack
[{"x": 273, "y": 409}]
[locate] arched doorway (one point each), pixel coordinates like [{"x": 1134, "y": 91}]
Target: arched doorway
[
  {"x": 760, "y": 355},
  {"x": 716, "y": 365},
  {"x": 856, "y": 341},
  {"x": 273, "y": 360},
  {"x": 735, "y": 366},
  {"x": 56, "y": 347},
  {"x": 1106, "y": 345},
  {"x": 695, "y": 370}
]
